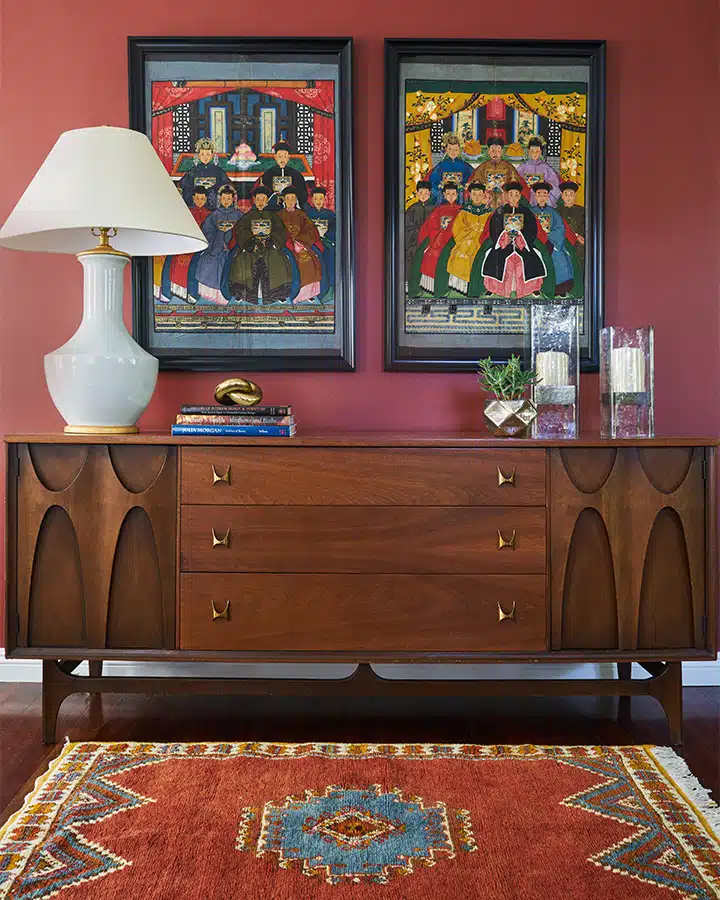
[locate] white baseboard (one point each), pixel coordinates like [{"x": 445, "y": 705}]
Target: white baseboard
[{"x": 698, "y": 673}]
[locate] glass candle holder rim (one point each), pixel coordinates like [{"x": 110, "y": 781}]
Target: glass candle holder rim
[{"x": 628, "y": 330}]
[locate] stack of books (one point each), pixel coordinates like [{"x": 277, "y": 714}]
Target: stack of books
[{"x": 261, "y": 421}]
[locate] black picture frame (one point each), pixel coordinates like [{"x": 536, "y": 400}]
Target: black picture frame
[
  {"x": 400, "y": 53},
  {"x": 333, "y": 351}
]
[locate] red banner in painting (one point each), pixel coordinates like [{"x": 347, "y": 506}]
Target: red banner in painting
[
  {"x": 495, "y": 132},
  {"x": 495, "y": 109},
  {"x": 319, "y": 96}
]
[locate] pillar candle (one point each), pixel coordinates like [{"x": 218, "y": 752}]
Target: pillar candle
[
  {"x": 553, "y": 367},
  {"x": 627, "y": 369}
]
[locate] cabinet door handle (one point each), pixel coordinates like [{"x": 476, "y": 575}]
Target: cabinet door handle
[
  {"x": 220, "y": 541},
  {"x": 503, "y": 615},
  {"x": 218, "y": 477},
  {"x": 506, "y": 543},
  {"x": 506, "y": 479},
  {"x": 220, "y": 614}
]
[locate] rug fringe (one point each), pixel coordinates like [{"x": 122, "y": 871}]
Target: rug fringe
[{"x": 699, "y": 796}]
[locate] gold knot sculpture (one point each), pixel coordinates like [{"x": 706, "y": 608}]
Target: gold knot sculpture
[{"x": 238, "y": 392}]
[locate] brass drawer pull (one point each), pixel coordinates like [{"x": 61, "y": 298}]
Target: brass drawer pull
[
  {"x": 506, "y": 479},
  {"x": 503, "y": 615},
  {"x": 221, "y": 541},
  {"x": 217, "y": 477},
  {"x": 503, "y": 543},
  {"x": 222, "y": 614}
]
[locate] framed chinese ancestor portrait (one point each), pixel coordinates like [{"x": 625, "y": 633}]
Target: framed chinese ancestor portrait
[
  {"x": 494, "y": 171},
  {"x": 256, "y": 133}
]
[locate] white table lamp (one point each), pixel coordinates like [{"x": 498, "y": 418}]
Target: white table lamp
[{"x": 108, "y": 183}]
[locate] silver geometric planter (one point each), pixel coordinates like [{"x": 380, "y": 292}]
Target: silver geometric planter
[{"x": 509, "y": 418}]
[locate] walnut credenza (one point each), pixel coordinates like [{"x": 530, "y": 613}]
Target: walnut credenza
[{"x": 363, "y": 548}]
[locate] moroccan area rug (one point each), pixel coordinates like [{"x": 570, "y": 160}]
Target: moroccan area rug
[{"x": 262, "y": 821}]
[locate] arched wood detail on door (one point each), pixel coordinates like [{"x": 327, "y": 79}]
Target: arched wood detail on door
[
  {"x": 85, "y": 522},
  {"x": 589, "y": 468},
  {"x": 56, "y": 603},
  {"x": 136, "y": 573},
  {"x": 589, "y": 611},
  {"x": 651, "y": 503},
  {"x": 667, "y": 542}
]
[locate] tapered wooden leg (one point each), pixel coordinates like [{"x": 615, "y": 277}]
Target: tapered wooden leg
[
  {"x": 670, "y": 696},
  {"x": 624, "y": 670},
  {"x": 95, "y": 668},
  {"x": 54, "y": 691}
]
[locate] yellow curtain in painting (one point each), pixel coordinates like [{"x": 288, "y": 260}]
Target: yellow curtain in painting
[
  {"x": 572, "y": 161},
  {"x": 417, "y": 161},
  {"x": 423, "y": 110}
]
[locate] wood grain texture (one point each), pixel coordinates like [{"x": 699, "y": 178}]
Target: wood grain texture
[
  {"x": 310, "y": 438},
  {"x": 135, "y": 607},
  {"x": 659, "y": 586},
  {"x": 711, "y": 548},
  {"x": 367, "y": 520},
  {"x": 402, "y": 539},
  {"x": 589, "y": 602},
  {"x": 407, "y": 477},
  {"x": 666, "y": 573},
  {"x": 11, "y": 546},
  {"x": 362, "y": 612},
  {"x": 73, "y": 556},
  {"x": 56, "y": 602}
]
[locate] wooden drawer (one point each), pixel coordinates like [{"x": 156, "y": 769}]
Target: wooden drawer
[
  {"x": 362, "y": 612},
  {"x": 310, "y": 476},
  {"x": 400, "y": 539}
]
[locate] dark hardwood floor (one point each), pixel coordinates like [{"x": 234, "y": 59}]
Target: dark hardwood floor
[{"x": 488, "y": 721}]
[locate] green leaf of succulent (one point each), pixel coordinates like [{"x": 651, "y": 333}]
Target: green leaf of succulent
[{"x": 506, "y": 381}]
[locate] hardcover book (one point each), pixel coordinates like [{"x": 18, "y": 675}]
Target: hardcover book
[
  {"x": 220, "y": 410},
  {"x": 232, "y": 419},
  {"x": 236, "y": 430}
]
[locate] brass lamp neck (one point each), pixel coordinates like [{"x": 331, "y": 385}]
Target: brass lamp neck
[{"x": 104, "y": 245}]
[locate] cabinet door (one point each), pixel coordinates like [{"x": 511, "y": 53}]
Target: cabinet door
[
  {"x": 627, "y": 536},
  {"x": 92, "y": 545}
]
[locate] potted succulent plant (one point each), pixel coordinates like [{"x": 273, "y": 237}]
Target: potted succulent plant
[{"x": 510, "y": 414}]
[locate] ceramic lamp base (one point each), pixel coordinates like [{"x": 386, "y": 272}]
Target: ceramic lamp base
[{"x": 101, "y": 380}]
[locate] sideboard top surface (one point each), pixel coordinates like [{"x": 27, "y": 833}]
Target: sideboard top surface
[{"x": 467, "y": 439}]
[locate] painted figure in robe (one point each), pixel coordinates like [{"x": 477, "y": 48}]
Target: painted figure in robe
[
  {"x": 205, "y": 173},
  {"x": 513, "y": 266},
  {"x": 469, "y": 230},
  {"x": 415, "y": 216},
  {"x": 574, "y": 215},
  {"x": 434, "y": 234},
  {"x": 303, "y": 242},
  {"x": 536, "y": 169},
  {"x": 495, "y": 172},
  {"x": 552, "y": 224},
  {"x": 324, "y": 220},
  {"x": 281, "y": 176},
  {"x": 260, "y": 268},
  {"x": 218, "y": 229},
  {"x": 452, "y": 168},
  {"x": 176, "y": 268}
]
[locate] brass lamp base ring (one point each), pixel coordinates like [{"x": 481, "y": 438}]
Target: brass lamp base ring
[{"x": 101, "y": 429}]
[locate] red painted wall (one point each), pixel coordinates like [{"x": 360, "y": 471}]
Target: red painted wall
[{"x": 64, "y": 66}]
